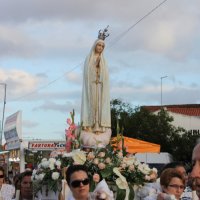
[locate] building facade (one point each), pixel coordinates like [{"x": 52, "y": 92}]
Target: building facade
[{"x": 186, "y": 116}]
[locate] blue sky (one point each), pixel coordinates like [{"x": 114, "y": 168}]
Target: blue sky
[{"x": 43, "y": 45}]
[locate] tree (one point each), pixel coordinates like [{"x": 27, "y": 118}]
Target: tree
[
  {"x": 141, "y": 124},
  {"x": 119, "y": 111},
  {"x": 185, "y": 144}
]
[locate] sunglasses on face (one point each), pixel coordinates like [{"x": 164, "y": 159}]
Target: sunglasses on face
[
  {"x": 77, "y": 183},
  {"x": 1, "y": 176}
]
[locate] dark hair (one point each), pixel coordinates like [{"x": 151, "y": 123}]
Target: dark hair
[
  {"x": 16, "y": 181},
  {"x": 168, "y": 174},
  {"x": 75, "y": 168},
  {"x": 172, "y": 165},
  {"x": 7, "y": 180},
  {"x": 23, "y": 174},
  {"x": 3, "y": 171}
]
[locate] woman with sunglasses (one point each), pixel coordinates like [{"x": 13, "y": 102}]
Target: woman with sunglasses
[
  {"x": 78, "y": 182},
  {"x": 6, "y": 191}
]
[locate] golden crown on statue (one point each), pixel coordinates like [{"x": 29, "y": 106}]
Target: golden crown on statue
[{"x": 103, "y": 33}]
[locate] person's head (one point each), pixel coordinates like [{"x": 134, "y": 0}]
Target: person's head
[
  {"x": 7, "y": 180},
  {"x": 2, "y": 176},
  {"x": 179, "y": 166},
  {"x": 172, "y": 182},
  {"x": 99, "y": 46},
  {"x": 26, "y": 190},
  {"x": 78, "y": 181},
  {"x": 195, "y": 173}
]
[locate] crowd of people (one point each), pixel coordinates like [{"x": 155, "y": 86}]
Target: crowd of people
[
  {"x": 20, "y": 189},
  {"x": 174, "y": 183}
]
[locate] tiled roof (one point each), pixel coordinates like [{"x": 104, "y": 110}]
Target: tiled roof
[{"x": 185, "y": 109}]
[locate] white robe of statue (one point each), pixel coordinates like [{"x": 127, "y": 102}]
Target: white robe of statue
[{"x": 89, "y": 105}]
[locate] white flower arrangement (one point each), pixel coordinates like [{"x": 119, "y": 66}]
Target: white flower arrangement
[
  {"x": 47, "y": 174},
  {"x": 120, "y": 170},
  {"x": 110, "y": 163}
]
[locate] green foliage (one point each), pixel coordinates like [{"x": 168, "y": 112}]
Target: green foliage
[
  {"x": 120, "y": 114},
  {"x": 132, "y": 193},
  {"x": 121, "y": 194},
  {"x": 186, "y": 143}
]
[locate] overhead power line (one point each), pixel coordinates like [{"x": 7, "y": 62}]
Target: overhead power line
[
  {"x": 48, "y": 84},
  {"x": 117, "y": 39},
  {"x": 120, "y": 36}
]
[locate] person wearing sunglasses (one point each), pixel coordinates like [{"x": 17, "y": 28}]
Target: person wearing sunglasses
[
  {"x": 78, "y": 182},
  {"x": 6, "y": 191},
  {"x": 172, "y": 183}
]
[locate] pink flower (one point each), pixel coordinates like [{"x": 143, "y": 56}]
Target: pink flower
[
  {"x": 101, "y": 166},
  {"x": 70, "y": 135},
  {"x": 101, "y": 154},
  {"x": 69, "y": 121},
  {"x": 68, "y": 146},
  {"x": 72, "y": 127},
  {"x": 96, "y": 161},
  {"x": 108, "y": 160},
  {"x": 90, "y": 156},
  {"x": 96, "y": 178},
  {"x": 131, "y": 168},
  {"x": 120, "y": 154},
  {"x": 68, "y": 132}
]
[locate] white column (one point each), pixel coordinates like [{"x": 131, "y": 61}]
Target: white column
[{"x": 22, "y": 157}]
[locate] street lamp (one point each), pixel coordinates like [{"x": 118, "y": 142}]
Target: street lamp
[
  {"x": 161, "y": 78},
  {"x": 4, "y": 104}
]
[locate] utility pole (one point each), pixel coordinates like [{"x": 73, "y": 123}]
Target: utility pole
[
  {"x": 161, "y": 78},
  {"x": 3, "y": 113}
]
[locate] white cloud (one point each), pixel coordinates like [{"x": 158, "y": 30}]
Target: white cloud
[
  {"x": 15, "y": 42},
  {"x": 29, "y": 124},
  {"x": 59, "y": 94},
  {"x": 74, "y": 77},
  {"x": 149, "y": 93},
  {"x": 18, "y": 82},
  {"x": 65, "y": 28},
  {"x": 59, "y": 107}
]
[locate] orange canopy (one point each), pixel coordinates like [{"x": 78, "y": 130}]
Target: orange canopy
[{"x": 139, "y": 146}]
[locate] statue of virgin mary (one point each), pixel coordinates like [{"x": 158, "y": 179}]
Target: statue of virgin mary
[{"x": 95, "y": 108}]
